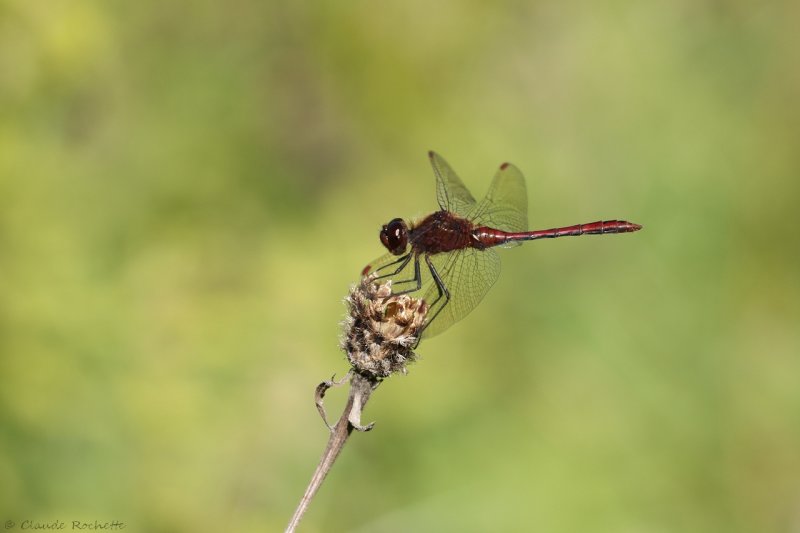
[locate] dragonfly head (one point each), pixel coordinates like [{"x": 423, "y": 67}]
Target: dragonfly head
[{"x": 394, "y": 236}]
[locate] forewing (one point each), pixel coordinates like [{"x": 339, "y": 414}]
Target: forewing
[
  {"x": 468, "y": 274},
  {"x": 451, "y": 192},
  {"x": 505, "y": 206}
]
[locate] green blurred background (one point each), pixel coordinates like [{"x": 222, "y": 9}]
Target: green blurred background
[{"x": 187, "y": 190}]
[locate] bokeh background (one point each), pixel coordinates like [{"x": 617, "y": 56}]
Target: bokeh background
[{"x": 187, "y": 189}]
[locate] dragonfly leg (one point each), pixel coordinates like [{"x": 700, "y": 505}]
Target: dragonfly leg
[
  {"x": 443, "y": 293},
  {"x": 403, "y": 261},
  {"x": 417, "y": 278}
]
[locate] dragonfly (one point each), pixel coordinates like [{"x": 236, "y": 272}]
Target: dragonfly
[{"x": 449, "y": 256}]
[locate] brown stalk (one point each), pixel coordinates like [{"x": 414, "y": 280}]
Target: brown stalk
[
  {"x": 380, "y": 333},
  {"x": 361, "y": 388}
]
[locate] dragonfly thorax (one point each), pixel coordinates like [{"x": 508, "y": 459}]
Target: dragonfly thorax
[{"x": 440, "y": 232}]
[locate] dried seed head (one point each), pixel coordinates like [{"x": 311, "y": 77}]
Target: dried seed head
[{"x": 381, "y": 329}]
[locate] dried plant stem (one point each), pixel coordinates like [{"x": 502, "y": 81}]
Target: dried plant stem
[
  {"x": 380, "y": 331},
  {"x": 361, "y": 388}
]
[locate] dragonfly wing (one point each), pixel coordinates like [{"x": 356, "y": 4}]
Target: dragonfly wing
[
  {"x": 451, "y": 192},
  {"x": 505, "y": 206},
  {"x": 468, "y": 275}
]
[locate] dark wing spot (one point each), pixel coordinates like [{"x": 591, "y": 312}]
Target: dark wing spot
[{"x": 504, "y": 166}]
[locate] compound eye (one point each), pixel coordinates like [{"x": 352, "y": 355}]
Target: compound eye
[{"x": 394, "y": 236}]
